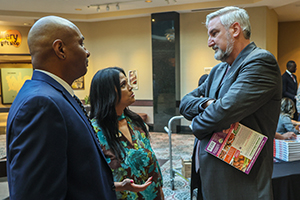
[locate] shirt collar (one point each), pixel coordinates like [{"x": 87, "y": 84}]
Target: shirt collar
[
  {"x": 287, "y": 71},
  {"x": 59, "y": 80}
]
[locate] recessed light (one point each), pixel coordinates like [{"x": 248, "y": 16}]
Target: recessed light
[
  {"x": 148, "y": 1},
  {"x": 78, "y": 9}
]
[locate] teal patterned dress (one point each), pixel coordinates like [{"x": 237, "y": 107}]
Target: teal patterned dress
[{"x": 139, "y": 164}]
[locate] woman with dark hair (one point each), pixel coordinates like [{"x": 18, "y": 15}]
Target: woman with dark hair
[
  {"x": 286, "y": 124},
  {"x": 123, "y": 135}
]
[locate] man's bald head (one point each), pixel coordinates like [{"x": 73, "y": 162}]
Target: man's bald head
[
  {"x": 42, "y": 35},
  {"x": 56, "y": 46}
]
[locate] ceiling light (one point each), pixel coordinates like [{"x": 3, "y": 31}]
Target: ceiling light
[
  {"x": 117, "y": 4},
  {"x": 78, "y": 9}
]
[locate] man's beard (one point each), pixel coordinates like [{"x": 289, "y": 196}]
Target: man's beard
[{"x": 220, "y": 54}]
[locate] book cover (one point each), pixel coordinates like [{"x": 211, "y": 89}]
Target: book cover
[{"x": 238, "y": 146}]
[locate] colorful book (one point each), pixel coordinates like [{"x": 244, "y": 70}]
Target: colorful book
[
  {"x": 287, "y": 150},
  {"x": 238, "y": 146}
]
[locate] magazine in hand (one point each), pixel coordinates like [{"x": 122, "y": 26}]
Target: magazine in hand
[{"x": 238, "y": 146}]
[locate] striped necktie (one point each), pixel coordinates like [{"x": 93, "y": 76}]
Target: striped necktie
[
  {"x": 86, "y": 114},
  {"x": 82, "y": 107},
  {"x": 293, "y": 78}
]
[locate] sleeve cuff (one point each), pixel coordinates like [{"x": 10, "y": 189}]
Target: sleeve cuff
[{"x": 201, "y": 109}]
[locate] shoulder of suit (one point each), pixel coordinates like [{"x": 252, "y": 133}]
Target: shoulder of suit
[
  {"x": 262, "y": 55},
  {"x": 262, "y": 52},
  {"x": 218, "y": 66}
]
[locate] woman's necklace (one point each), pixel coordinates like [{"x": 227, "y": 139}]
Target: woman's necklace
[
  {"x": 125, "y": 132},
  {"x": 121, "y": 117}
]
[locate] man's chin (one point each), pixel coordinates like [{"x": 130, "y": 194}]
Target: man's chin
[
  {"x": 218, "y": 57},
  {"x": 221, "y": 57},
  {"x": 82, "y": 74}
]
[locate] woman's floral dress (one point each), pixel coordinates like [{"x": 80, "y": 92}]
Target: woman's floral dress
[{"x": 139, "y": 164}]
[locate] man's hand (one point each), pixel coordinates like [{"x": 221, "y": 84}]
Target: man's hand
[
  {"x": 128, "y": 184},
  {"x": 234, "y": 126},
  {"x": 207, "y": 103}
]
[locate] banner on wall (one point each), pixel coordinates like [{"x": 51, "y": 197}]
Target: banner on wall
[{"x": 10, "y": 38}]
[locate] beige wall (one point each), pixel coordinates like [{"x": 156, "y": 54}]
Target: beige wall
[
  {"x": 289, "y": 45},
  {"x": 125, "y": 43}
]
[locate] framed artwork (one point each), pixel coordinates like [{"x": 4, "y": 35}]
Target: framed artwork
[
  {"x": 78, "y": 84},
  {"x": 133, "y": 79},
  {"x": 12, "y": 79}
]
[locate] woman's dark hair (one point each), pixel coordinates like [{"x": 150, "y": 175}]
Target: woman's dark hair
[
  {"x": 287, "y": 107},
  {"x": 105, "y": 93}
]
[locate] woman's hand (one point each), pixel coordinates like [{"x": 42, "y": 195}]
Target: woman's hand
[
  {"x": 285, "y": 136},
  {"x": 289, "y": 135},
  {"x": 128, "y": 184},
  {"x": 295, "y": 123}
]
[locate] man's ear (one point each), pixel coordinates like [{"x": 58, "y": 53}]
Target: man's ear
[
  {"x": 236, "y": 29},
  {"x": 58, "y": 47}
]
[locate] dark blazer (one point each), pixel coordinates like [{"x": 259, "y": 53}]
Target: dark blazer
[
  {"x": 52, "y": 151},
  {"x": 250, "y": 94},
  {"x": 289, "y": 87}
]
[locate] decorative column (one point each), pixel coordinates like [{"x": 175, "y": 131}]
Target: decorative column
[{"x": 166, "y": 68}]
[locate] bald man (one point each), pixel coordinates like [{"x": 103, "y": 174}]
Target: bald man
[{"x": 52, "y": 151}]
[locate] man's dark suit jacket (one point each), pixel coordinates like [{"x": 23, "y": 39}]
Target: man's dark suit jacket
[
  {"x": 250, "y": 94},
  {"x": 289, "y": 87},
  {"x": 52, "y": 151}
]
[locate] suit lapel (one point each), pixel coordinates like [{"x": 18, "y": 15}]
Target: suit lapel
[
  {"x": 45, "y": 78},
  {"x": 219, "y": 80},
  {"x": 219, "y": 74},
  {"x": 79, "y": 110},
  {"x": 245, "y": 53}
]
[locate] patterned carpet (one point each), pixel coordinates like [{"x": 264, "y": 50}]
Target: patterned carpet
[{"x": 182, "y": 147}]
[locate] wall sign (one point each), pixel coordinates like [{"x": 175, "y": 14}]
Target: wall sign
[
  {"x": 10, "y": 38},
  {"x": 133, "y": 79},
  {"x": 12, "y": 79}
]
